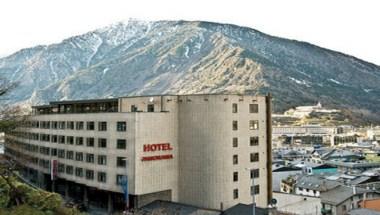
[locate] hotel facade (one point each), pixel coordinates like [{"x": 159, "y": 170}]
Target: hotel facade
[{"x": 200, "y": 150}]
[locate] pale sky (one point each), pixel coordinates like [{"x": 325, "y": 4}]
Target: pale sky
[{"x": 348, "y": 26}]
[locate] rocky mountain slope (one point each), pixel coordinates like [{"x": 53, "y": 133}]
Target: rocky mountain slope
[{"x": 164, "y": 57}]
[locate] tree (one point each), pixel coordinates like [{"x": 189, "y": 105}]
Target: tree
[
  {"x": 17, "y": 197},
  {"x": 10, "y": 115}
]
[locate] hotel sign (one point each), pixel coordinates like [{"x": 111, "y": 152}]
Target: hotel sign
[{"x": 157, "y": 147}]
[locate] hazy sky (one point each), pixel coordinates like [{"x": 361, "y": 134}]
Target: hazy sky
[{"x": 348, "y": 26}]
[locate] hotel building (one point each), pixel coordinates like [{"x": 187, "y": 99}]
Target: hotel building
[{"x": 200, "y": 150}]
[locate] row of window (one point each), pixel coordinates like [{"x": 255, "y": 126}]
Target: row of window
[
  {"x": 88, "y": 174},
  {"x": 89, "y": 141},
  {"x": 71, "y": 125},
  {"x": 253, "y": 108},
  {"x": 253, "y": 141},
  {"x": 254, "y": 190},
  {"x": 254, "y": 157},
  {"x": 80, "y": 156},
  {"x": 253, "y": 125},
  {"x": 255, "y": 173}
]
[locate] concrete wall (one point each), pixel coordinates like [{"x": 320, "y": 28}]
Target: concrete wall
[
  {"x": 296, "y": 204},
  {"x": 206, "y": 151},
  {"x": 156, "y": 175}
]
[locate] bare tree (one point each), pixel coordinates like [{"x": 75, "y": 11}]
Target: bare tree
[{"x": 10, "y": 116}]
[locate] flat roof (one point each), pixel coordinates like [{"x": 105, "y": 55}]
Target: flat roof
[
  {"x": 84, "y": 101},
  {"x": 56, "y": 103},
  {"x": 200, "y": 94},
  {"x": 352, "y": 164}
]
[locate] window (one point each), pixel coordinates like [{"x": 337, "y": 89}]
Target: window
[
  {"x": 253, "y": 108},
  {"x": 54, "y": 125},
  {"x": 79, "y": 125},
  {"x": 61, "y": 125},
  {"x": 69, "y": 170},
  {"x": 35, "y": 136},
  {"x": 44, "y": 150},
  {"x": 150, "y": 108},
  {"x": 236, "y": 193},
  {"x": 121, "y": 126},
  {"x": 70, "y": 155},
  {"x": 79, "y": 141},
  {"x": 79, "y": 156},
  {"x": 235, "y": 176},
  {"x": 54, "y": 152},
  {"x": 54, "y": 138},
  {"x": 45, "y": 137},
  {"x": 90, "y": 141},
  {"x": 102, "y": 143},
  {"x": 121, "y": 162},
  {"x": 79, "y": 172},
  {"x": 35, "y": 124},
  {"x": 70, "y": 125},
  {"x": 253, "y": 124},
  {"x": 61, "y": 167},
  {"x": 70, "y": 140},
  {"x": 45, "y": 124},
  {"x": 254, "y": 157},
  {"x": 234, "y": 108},
  {"x": 61, "y": 139},
  {"x": 102, "y": 160},
  {"x": 133, "y": 108},
  {"x": 235, "y": 159},
  {"x": 255, "y": 173},
  {"x": 121, "y": 144},
  {"x": 90, "y": 126},
  {"x": 120, "y": 179},
  {"x": 102, "y": 177},
  {"x": 89, "y": 174},
  {"x": 254, "y": 141},
  {"x": 102, "y": 126},
  {"x": 234, "y": 125},
  {"x": 61, "y": 153},
  {"x": 44, "y": 163},
  {"x": 90, "y": 158},
  {"x": 235, "y": 142},
  {"x": 256, "y": 189}
]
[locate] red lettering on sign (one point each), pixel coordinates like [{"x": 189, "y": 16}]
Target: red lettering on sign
[
  {"x": 157, "y": 157},
  {"x": 157, "y": 147},
  {"x": 146, "y": 148}
]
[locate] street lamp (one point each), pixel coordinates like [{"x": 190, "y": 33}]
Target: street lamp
[{"x": 253, "y": 192}]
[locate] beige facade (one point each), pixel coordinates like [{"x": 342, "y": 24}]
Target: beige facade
[{"x": 198, "y": 149}]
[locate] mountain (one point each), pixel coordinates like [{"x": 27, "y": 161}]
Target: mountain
[{"x": 170, "y": 57}]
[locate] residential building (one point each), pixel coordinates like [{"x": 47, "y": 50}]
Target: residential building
[
  {"x": 342, "y": 199},
  {"x": 372, "y": 204},
  {"x": 313, "y": 185}
]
